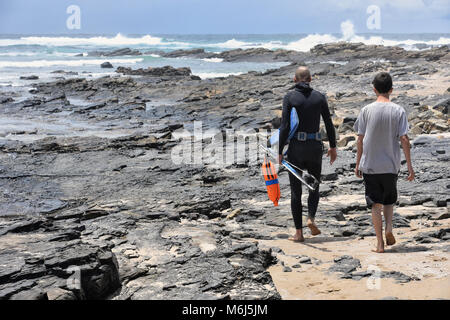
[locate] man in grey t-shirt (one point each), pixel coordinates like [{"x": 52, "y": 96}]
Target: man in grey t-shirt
[{"x": 380, "y": 127}]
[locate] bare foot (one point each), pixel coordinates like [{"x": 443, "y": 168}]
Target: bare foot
[
  {"x": 314, "y": 230},
  {"x": 297, "y": 239},
  {"x": 390, "y": 239},
  {"x": 379, "y": 248}
]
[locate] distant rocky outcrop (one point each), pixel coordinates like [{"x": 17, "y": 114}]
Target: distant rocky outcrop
[
  {"x": 235, "y": 55},
  {"x": 255, "y": 54},
  {"x": 339, "y": 50},
  {"x": 197, "y": 53},
  {"x": 238, "y": 55},
  {"x": 360, "y": 50},
  {"x": 115, "y": 53},
  {"x": 106, "y": 65},
  {"x": 156, "y": 72},
  {"x": 32, "y": 77},
  {"x": 67, "y": 73}
]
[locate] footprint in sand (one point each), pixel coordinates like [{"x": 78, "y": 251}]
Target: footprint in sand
[{"x": 313, "y": 284}]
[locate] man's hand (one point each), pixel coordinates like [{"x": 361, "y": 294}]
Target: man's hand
[
  {"x": 280, "y": 158},
  {"x": 406, "y": 146},
  {"x": 332, "y": 153},
  {"x": 358, "y": 172},
  {"x": 412, "y": 175}
]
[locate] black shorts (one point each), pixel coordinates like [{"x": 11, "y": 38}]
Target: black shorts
[{"x": 381, "y": 188}]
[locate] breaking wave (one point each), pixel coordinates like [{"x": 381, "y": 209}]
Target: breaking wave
[
  {"x": 348, "y": 34},
  {"x": 209, "y": 75},
  {"x": 70, "y": 63},
  {"x": 303, "y": 44},
  {"x": 118, "y": 40}
]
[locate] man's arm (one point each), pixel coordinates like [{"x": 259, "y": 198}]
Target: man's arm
[
  {"x": 285, "y": 126},
  {"x": 360, "y": 128},
  {"x": 359, "y": 152},
  {"x": 406, "y": 146},
  {"x": 332, "y": 153}
]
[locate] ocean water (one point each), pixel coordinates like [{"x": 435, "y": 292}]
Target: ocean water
[{"x": 41, "y": 54}]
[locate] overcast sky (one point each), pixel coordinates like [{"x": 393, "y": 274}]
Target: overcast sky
[{"x": 222, "y": 16}]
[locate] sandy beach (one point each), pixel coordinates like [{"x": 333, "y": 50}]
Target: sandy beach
[{"x": 429, "y": 263}]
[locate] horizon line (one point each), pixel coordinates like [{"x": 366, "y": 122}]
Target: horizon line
[{"x": 219, "y": 34}]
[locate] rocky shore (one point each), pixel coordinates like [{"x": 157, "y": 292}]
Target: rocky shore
[{"x": 92, "y": 205}]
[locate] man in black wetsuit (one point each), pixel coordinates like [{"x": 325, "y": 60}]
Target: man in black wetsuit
[{"x": 306, "y": 148}]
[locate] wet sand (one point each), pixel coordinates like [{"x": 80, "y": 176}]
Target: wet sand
[{"x": 429, "y": 264}]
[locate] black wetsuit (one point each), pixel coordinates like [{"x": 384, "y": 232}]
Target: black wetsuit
[{"x": 310, "y": 105}]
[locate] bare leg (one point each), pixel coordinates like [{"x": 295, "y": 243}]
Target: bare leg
[
  {"x": 388, "y": 214},
  {"x": 298, "y": 237},
  {"x": 378, "y": 225},
  {"x": 311, "y": 225}
]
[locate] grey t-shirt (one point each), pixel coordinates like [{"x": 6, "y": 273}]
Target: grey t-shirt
[{"x": 382, "y": 124}]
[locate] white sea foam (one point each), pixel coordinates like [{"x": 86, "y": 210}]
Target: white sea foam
[
  {"x": 348, "y": 34},
  {"x": 209, "y": 75},
  {"x": 303, "y": 44},
  {"x": 342, "y": 63},
  {"x": 232, "y": 44},
  {"x": 34, "y": 53},
  {"x": 214, "y": 60},
  {"x": 70, "y": 63},
  {"x": 18, "y": 54},
  {"x": 310, "y": 41},
  {"x": 118, "y": 40},
  {"x": 348, "y": 30},
  {"x": 66, "y": 54}
]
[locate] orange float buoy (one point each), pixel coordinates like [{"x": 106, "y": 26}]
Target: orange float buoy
[{"x": 271, "y": 177}]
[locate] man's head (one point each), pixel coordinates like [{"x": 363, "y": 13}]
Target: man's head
[
  {"x": 302, "y": 75},
  {"x": 382, "y": 84}
]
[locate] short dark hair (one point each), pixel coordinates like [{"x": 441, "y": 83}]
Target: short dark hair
[
  {"x": 302, "y": 74},
  {"x": 382, "y": 82}
]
